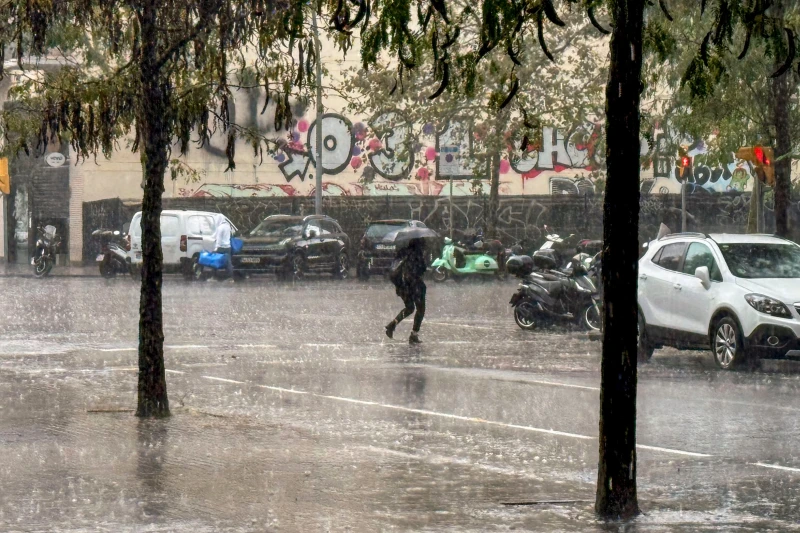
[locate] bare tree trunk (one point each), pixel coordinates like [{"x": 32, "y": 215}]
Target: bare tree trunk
[
  {"x": 616, "y": 476},
  {"x": 781, "y": 93},
  {"x": 494, "y": 196},
  {"x": 152, "y": 400}
]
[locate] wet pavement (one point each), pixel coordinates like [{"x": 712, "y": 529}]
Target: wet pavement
[{"x": 293, "y": 412}]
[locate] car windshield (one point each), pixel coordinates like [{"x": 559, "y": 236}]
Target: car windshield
[
  {"x": 379, "y": 231},
  {"x": 751, "y": 260},
  {"x": 277, "y": 228}
]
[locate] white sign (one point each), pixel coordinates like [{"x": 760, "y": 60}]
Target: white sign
[{"x": 55, "y": 159}]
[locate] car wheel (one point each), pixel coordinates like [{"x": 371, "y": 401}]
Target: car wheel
[
  {"x": 298, "y": 267},
  {"x": 644, "y": 348},
  {"x": 525, "y": 315},
  {"x": 342, "y": 265},
  {"x": 439, "y": 274},
  {"x": 726, "y": 344}
]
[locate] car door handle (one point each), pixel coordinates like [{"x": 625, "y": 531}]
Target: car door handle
[
  {"x": 677, "y": 286},
  {"x": 643, "y": 277}
]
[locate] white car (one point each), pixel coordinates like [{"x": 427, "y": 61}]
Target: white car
[
  {"x": 738, "y": 295},
  {"x": 184, "y": 234}
]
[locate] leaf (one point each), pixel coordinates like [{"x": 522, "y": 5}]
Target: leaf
[
  {"x": 511, "y": 94},
  {"x": 593, "y": 20},
  {"x": 550, "y": 11},
  {"x": 540, "y": 32},
  {"x": 663, "y": 5},
  {"x": 790, "y": 56},
  {"x": 704, "y": 48},
  {"x": 746, "y": 42},
  {"x": 445, "y": 81}
]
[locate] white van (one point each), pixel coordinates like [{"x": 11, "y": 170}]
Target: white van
[{"x": 184, "y": 234}]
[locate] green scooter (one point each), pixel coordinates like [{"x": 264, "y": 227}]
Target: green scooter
[{"x": 458, "y": 263}]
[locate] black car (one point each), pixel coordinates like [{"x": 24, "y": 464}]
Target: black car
[
  {"x": 293, "y": 246},
  {"x": 377, "y": 248}
]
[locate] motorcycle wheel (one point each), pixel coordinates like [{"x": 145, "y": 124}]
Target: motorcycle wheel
[
  {"x": 439, "y": 274},
  {"x": 41, "y": 268},
  {"x": 590, "y": 318},
  {"x": 525, "y": 315},
  {"x": 108, "y": 269},
  {"x": 198, "y": 272}
]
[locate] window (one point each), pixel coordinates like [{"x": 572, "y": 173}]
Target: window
[
  {"x": 670, "y": 256},
  {"x": 136, "y": 227},
  {"x": 329, "y": 226},
  {"x": 200, "y": 225},
  {"x": 169, "y": 226},
  {"x": 762, "y": 260},
  {"x": 699, "y": 255},
  {"x": 313, "y": 229}
]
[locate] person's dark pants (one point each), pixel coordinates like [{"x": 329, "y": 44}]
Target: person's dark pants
[
  {"x": 413, "y": 298},
  {"x": 228, "y": 263}
]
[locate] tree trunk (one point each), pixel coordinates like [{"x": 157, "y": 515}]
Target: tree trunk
[
  {"x": 155, "y": 139},
  {"x": 781, "y": 93},
  {"x": 494, "y": 196},
  {"x": 616, "y": 477}
]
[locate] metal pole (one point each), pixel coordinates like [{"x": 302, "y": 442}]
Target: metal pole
[
  {"x": 758, "y": 190},
  {"x": 318, "y": 131},
  {"x": 451, "y": 207},
  {"x": 683, "y": 207}
]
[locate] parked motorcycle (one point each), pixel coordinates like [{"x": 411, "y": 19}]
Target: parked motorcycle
[
  {"x": 457, "y": 262},
  {"x": 113, "y": 257},
  {"x": 44, "y": 256},
  {"x": 546, "y": 294}
]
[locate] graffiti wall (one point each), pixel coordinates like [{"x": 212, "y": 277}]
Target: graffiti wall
[{"x": 385, "y": 155}]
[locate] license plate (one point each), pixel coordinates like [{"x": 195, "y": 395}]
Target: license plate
[
  {"x": 138, "y": 255},
  {"x": 99, "y": 258},
  {"x": 250, "y": 260},
  {"x": 384, "y": 246},
  {"x": 33, "y": 260}
]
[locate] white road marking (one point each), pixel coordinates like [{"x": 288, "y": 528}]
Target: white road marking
[
  {"x": 255, "y": 346},
  {"x": 777, "y": 467},
  {"x": 322, "y": 345},
  {"x": 122, "y": 368},
  {"x": 671, "y": 450},
  {"x": 465, "y": 326},
  {"x": 456, "y": 417},
  {"x": 223, "y": 379},
  {"x": 281, "y": 389},
  {"x": 117, "y": 349},
  {"x": 174, "y": 371},
  {"x": 184, "y": 346}
]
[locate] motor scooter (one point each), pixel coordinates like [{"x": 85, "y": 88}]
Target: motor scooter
[
  {"x": 458, "y": 263},
  {"x": 549, "y": 295},
  {"x": 44, "y": 256},
  {"x": 113, "y": 258}
]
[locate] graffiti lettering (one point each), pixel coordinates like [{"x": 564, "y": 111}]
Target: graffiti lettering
[{"x": 395, "y": 159}]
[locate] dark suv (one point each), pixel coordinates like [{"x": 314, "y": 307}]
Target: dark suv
[
  {"x": 377, "y": 248},
  {"x": 293, "y": 245}
]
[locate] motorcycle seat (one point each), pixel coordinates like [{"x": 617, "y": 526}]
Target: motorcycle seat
[{"x": 552, "y": 287}]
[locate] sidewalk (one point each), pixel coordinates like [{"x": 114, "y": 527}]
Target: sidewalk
[{"x": 18, "y": 270}]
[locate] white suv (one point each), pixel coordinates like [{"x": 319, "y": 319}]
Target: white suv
[{"x": 738, "y": 295}]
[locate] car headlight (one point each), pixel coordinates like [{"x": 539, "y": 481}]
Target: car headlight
[{"x": 767, "y": 305}]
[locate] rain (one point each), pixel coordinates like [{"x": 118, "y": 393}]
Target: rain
[{"x": 348, "y": 265}]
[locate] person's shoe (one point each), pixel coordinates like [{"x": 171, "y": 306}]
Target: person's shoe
[
  {"x": 414, "y": 338},
  {"x": 390, "y": 329}
]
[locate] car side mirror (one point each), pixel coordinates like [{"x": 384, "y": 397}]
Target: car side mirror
[{"x": 702, "y": 274}]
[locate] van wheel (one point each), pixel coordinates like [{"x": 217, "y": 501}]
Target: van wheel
[{"x": 726, "y": 344}]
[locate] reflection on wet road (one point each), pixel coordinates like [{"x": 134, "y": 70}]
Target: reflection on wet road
[{"x": 292, "y": 411}]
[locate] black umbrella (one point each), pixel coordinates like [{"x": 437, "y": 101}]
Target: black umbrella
[{"x": 404, "y": 236}]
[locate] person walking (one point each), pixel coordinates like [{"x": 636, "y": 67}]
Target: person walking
[
  {"x": 222, "y": 238},
  {"x": 407, "y": 271}
]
